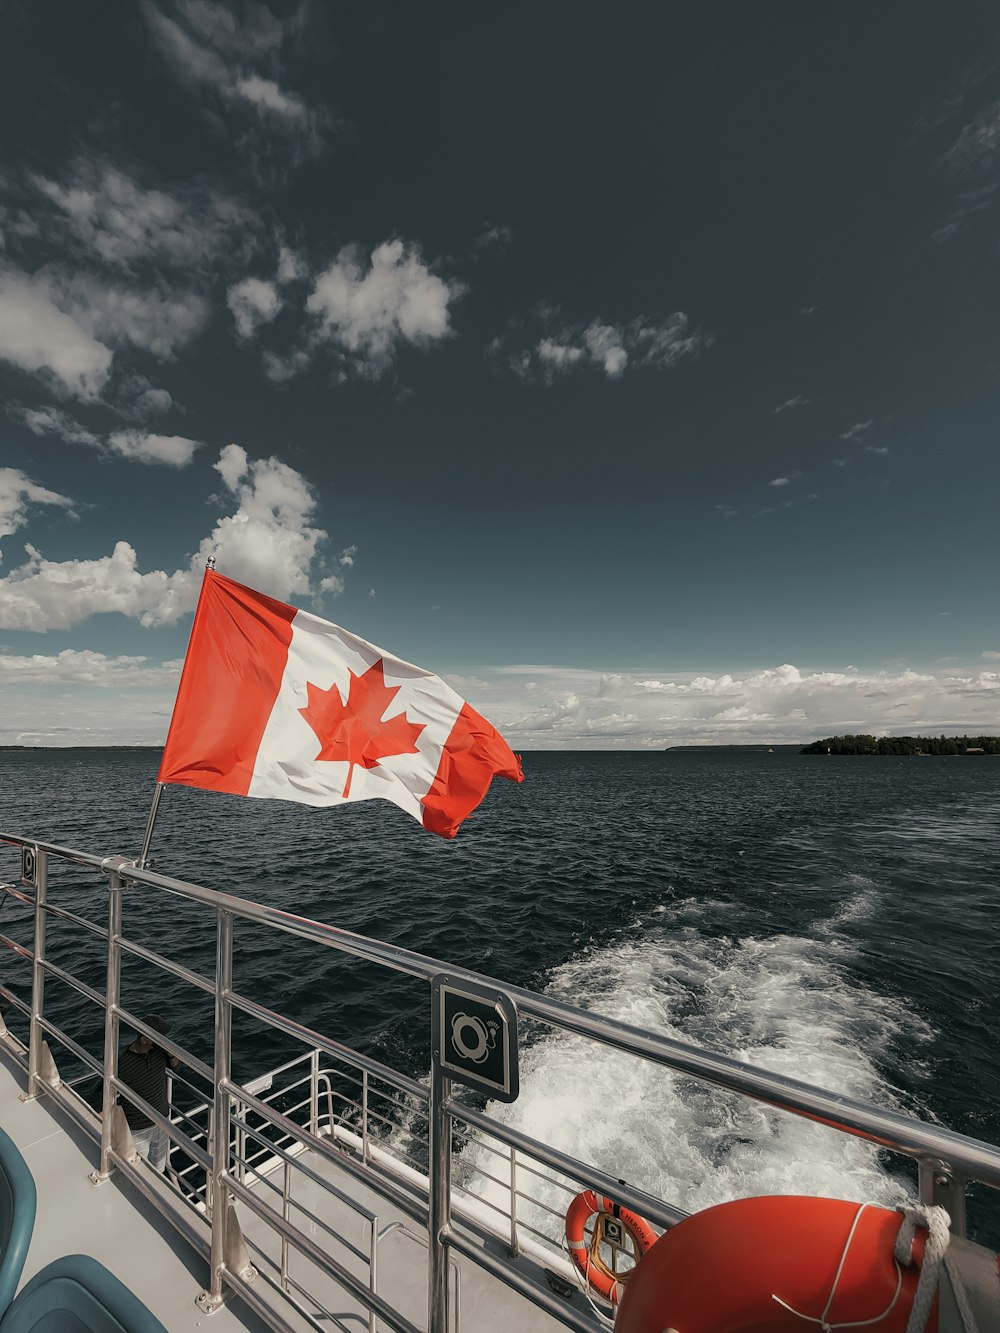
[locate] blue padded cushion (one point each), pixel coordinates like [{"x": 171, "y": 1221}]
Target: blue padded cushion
[
  {"x": 17, "y": 1217},
  {"x": 78, "y": 1295}
]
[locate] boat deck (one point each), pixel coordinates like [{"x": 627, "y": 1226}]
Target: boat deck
[
  {"x": 117, "y": 1225},
  {"x": 113, "y": 1222}
]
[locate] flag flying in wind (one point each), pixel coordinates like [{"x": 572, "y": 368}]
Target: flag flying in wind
[{"x": 277, "y": 702}]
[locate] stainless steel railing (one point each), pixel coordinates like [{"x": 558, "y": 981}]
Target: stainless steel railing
[{"x": 375, "y": 1124}]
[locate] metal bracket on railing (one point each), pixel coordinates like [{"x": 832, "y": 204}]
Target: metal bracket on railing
[
  {"x": 120, "y": 1143},
  {"x": 47, "y": 1072},
  {"x": 120, "y": 864},
  {"x": 237, "y": 1260},
  {"x": 237, "y": 1254},
  {"x": 940, "y": 1184}
]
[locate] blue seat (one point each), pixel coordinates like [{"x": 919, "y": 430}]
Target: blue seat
[
  {"x": 17, "y": 1217},
  {"x": 77, "y": 1295}
]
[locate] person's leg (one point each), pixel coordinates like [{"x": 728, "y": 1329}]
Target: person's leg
[
  {"x": 158, "y": 1143},
  {"x": 141, "y": 1139},
  {"x": 151, "y": 1143}
]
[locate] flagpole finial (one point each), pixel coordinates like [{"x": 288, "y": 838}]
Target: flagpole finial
[{"x": 210, "y": 562}]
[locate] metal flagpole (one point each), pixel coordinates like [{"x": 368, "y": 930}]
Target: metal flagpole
[
  {"x": 144, "y": 854},
  {"x": 148, "y": 836}
]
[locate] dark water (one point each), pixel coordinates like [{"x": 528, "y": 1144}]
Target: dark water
[{"x": 833, "y": 919}]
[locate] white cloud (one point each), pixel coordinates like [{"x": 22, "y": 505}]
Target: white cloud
[
  {"x": 48, "y": 594},
  {"x": 152, "y": 402},
  {"x": 38, "y": 336},
  {"x": 614, "y": 348},
  {"x": 266, "y": 541},
  {"x": 978, "y": 145},
  {"x": 110, "y": 216},
  {"x": 281, "y": 369},
  {"x": 53, "y": 421},
  {"x": 253, "y": 303},
  {"x": 367, "y": 311},
  {"x": 574, "y": 709},
  {"x": 493, "y": 237},
  {"x": 84, "y": 667},
  {"x": 557, "y": 355},
  {"x": 192, "y": 59},
  {"x": 797, "y": 401},
  {"x": 159, "y": 319},
  {"x": 290, "y": 267},
  {"x": 779, "y": 481},
  {"x": 17, "y": 492},
  {"x": 266, "y": 94},
  {"x": 859, "y": 428},
  {"x": 232, "y": 63},
  {"x": 174, "y": 450},
  {"x": 606, "y": 346},
  {"x": 547, "y": 707}
]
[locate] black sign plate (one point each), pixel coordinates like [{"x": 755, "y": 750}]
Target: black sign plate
[
  {"x": 474, "y": 1035},
  {"x": 29, "y": 866}
]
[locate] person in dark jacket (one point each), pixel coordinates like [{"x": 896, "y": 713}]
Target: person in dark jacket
[{"x": 143, "y": 1066}]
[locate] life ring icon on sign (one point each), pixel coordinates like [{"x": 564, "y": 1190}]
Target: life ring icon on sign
[
  {"x": 29, "y": 867},
  {"x": 472, "y": 1038}
]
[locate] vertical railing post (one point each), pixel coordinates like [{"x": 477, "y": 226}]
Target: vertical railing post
[
  {"x": 286, "y": 1212},
  {"x": 112, "y": 1002},
  {"x": 439, "y": 1213},
  {"x": 364, "y": 1115},
  {"x": 373, "y": 1274},
  {"x": 37, "y": 978},
  {"x": 220, "y": 1137},
  {"x": 314, "y": 1092},
  {"x": 515, "y": 1248}
]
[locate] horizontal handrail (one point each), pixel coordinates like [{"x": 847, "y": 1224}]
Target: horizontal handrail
[
  {"x": 322, "y": 1145},
  {"x": 17, "y": 948},
  {"x": 966, "y": 1157},
  {"x": 64, "y": 914},
  {"x": 12, "y": 891},
  {"x": 643, "y": 1203},
  {"x": 334, "y": 1048},
  {"x": 319, "y": 1257},
  {"x": 167, "y": 964},
  {"x": 56, "y": 971},
  {"x": 889, "y": 1129},
  {"x": 273, "y": 1149}
]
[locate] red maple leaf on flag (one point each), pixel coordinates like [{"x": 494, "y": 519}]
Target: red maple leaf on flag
[{"x": 354, "y": 732}]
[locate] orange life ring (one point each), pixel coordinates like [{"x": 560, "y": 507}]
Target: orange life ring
[
  {"x": 723, "y": 1270},
  {"x": 586, "y": 1249}
]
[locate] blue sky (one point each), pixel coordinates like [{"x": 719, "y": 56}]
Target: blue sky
[{"x": 634, "y": 368}]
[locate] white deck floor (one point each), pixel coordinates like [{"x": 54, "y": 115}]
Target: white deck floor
[
  {"x": 117, "y": 1225},
  {"x": 112, "y": 1222}
]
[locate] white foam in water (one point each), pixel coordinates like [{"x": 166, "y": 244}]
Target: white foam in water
[{"x": 783, "y": 1003}]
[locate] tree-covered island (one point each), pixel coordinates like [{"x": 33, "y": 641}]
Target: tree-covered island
[{"x": 904, "y": 745}]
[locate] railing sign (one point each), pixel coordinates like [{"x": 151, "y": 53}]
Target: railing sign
[
  {"x": 474, "y": 1036},
  {"x": 29, "y": 867}
]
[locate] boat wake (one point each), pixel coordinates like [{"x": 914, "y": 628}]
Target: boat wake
[{"x": 786, "y": 1003}]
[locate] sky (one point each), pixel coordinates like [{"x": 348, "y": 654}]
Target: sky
[{"x": 636, "y": 368}]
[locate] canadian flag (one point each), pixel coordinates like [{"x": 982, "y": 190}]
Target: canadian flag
[{"x": 277, "y": 702}]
